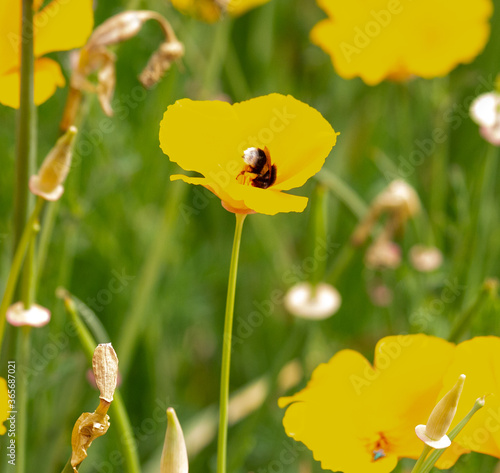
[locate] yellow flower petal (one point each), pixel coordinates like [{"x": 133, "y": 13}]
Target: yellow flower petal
[
  {"x": 377, "y": 40},
  {"x": 211, "y": 10},
  {"x": 210, "y": 138},
  {"x": 48, "y": 77},
  {"x": 349, "y": 409},
  {"x": 479, "y": 361},
  {"x": 61, "y": 26},
  {"x": 238, "y": 7},
  {"x": 10, "y": 38},
  {"x": 4, "y": 405}
]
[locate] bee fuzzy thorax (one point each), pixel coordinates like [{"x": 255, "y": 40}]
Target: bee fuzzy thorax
[
  {"x": 254, "y": 157},
  {"x": 259, "y": 170}
]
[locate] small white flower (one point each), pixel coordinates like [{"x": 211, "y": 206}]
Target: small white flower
[
  {"x": 35, "y": 316},
  {"x": 425, "y": 259},
  {"x": 316, "y": 303},
  {"x": 485, "y": 111}
]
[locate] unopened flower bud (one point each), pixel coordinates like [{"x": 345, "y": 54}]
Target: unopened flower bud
[
  {"x": 35, "y": 316},
  {"x": 48, "y": 183},
  {"x": 315, "y": 303},
  {"x": 425, "y": 259},
  {"x": 174, "y": 457},
  {"x": 399, "y": 196},
  {"x": 434, "y": 433},
  {"x": 105, "y": 367}
]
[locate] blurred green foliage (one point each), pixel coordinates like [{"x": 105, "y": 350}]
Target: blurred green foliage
[{"x": 121, "y": 215}]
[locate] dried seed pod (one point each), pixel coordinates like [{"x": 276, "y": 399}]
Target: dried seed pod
[
  {"x": 160, "y": 62},
  {"x": 88, "y": 427},
  {"x": 105, "y": 366}
]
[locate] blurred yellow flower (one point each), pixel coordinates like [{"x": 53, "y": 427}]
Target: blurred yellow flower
[
  {"x": 358, "y": 417},
  {"x": 60, "y": 26},
  {"x": 249, "y": 152},
  {"x": 4, "y": 405},
  {"x": 212, "y": 10},
  {"x": 394, "y": 39},
  {"x": 479, "y": 359}
]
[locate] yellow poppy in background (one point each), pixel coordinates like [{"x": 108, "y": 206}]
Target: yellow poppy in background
[
  {"x": 4, "y": 405},
  {"x": 479, "y": 359},
  {"x": 212, "y": 10},
  {"x": 212, "y": 138},
  {"x": 358, "y": 417},
  {"x": 379, "y": 39},
  {"x": 59, "y": 26}
]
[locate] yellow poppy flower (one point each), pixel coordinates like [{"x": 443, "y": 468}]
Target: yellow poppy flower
[
  {"x": 289, "y": 139},
  {"x": 59, "y": 26},
  {"x": 4, "y": 405},
  {"x": 479, "y": 360},
  {"x": 211, "y": 10},
  {"x": 380, "y": 39},
  {"x": 358, "y": 417}
]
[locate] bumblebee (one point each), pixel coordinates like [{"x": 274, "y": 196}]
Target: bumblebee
[{"x": 259, "y": 169}]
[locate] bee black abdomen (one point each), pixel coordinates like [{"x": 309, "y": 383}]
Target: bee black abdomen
[{"x": 266, "y": 180}]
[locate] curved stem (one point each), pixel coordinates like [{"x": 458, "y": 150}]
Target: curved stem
[
  {"x": 226, "y": 347},
  {"x": 17, "y": 264},
  {"x": 421, "y": 459}
]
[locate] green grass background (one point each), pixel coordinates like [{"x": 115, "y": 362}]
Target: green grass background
[{"x": 121, "y": 213}]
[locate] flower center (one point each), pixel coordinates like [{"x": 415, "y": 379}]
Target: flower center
[
  {"x": 380, "y": 448},
  {"x": 258, "y": 170}
]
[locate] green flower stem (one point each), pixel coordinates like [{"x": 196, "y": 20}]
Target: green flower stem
[
  {"x": 26, "y": 127},
  {"x": 23, "y": 357},
  {"x": 226, "y": 348},
  {"x": 436, "y": 454},
  {"x": 421, "y": 459},
  {"x": 488, "y": 292},
  {"x": 17, "y": 264},
  {"x": 148, "y": 278},
  {"x": 320, "y": 230},
  {"x": 117, "y": 408},
  {"x": 344, "y": 192},
  {"x": 68, "y": 468}
]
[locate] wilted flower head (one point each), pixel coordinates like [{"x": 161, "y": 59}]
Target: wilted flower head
[
  {"x": 91, "y": 425},
  {"x": 48, "y": 183},
  {"x": 485, "y": 111},
  {"x": 212, "y": 10},
  {"x": 312, "y": 302},
  {"x": 399, "y": 201},
  {"x": 35, "y": 316},
  {"x": 95, "y": 57},
  {"x": 425, "y": 258},
  {"x": 250, "y": 152},
  {"x": 59, "y": 26},
  {"x": 378, "y": 40}
]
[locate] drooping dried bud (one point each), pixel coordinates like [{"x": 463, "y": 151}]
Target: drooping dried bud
[
  {"x": 314, "y": 303},
  {"x": 48, "y": 183},
  {"x": 88, "y": 427},
  {"x": 174, "y": 457},
  {"x": 35, "y": 316},
  {"x": 105, "y": 366},
  {"x": 160, "y": 62},
  {"x": 434, "y": 433}
]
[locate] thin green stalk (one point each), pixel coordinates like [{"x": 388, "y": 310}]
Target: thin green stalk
[
  {"x": 26, "y": 126},
  {"x": 117, "y": 408},
  {"x": 17, "y": 265},
  {"x": 436, "y": 454},
  {"x": 23, "y": 358},
  {"x": 45, "y": 236},
  {"x": 421, "y": 459},
  {"x": 147, "y": 280},
  {"x": 226, "y": 348},
  {"x": 68, "y": 468},
  {"x": 344, "y": 192},
  {"x": 487, "y": 292},
  {"x": 320, "y": 231}
]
